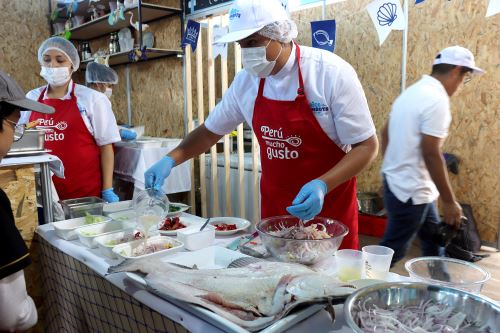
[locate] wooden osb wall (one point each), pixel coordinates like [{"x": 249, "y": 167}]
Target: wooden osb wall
[
  {"x": 24, "y": 27},
  {"x": 433, "y": 25}
]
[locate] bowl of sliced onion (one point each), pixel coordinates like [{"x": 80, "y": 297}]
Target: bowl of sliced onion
[
  {"x": 306, "y": 242},
  {"x": 419, "y": 308}
]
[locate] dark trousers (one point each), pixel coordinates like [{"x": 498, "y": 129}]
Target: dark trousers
[{"x": 404, "y": 222}]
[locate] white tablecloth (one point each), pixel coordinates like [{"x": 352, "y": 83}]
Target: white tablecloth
[
  {"x": 131, "y": 163},
  {"x": 319, "y": 322}
]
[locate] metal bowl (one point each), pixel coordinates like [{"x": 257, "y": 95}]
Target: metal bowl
[
  {"x": 448, "y": 272},
  {"x": 476, "y": 308},
  {"x": 303, "y": 251}
]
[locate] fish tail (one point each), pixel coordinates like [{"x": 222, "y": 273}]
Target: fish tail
[{"x": 145, "y": 266}]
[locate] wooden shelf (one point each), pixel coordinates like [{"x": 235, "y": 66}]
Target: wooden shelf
[
  {"x": 121, "y": 58},
  {"x": 100, "y": 27}
]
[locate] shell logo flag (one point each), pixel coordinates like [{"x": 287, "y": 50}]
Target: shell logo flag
[{"x": 386, "y": 15}]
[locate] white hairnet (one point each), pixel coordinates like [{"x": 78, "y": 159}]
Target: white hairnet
[
  {"x": 98, "y": 73},
  {"x": 282, "y": 31},
  {"x": 62, "y": 45}
]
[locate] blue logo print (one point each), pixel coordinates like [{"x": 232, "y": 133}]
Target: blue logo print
[
  {"x": 386, "y": 14},
  {"x": 318, "y": 107},
  {"x": 234, "y": 14}
]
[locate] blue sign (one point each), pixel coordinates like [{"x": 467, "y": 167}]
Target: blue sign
[
  {"x": 418, "y": 1},
  {"x": 191, "y": 34},
  {"x": 323, "y": 35}
]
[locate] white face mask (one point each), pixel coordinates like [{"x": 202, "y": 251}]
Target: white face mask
[
  {"x": 255, "y": 62},
  {"x": 108, "y": 92},
  {"x": 56, "y": 76}
]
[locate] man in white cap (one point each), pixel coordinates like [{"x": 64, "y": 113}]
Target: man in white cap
[
  {"x": 308, "y": 111},
  {"x": 413, "y": 169}
]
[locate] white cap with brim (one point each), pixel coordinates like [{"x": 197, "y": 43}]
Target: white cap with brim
[
  {"x": 459, "y": 56},
  {"x": 11, "y": 92},
  {"x": 246, "y": 17}
]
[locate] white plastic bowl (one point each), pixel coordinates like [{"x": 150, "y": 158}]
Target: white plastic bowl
[
  {"x": 87, "y": 234},
  {"x": 113, "y": 207},
  {"x": 125, "y": 215},
  {"x": 67, "y": 229},
  {"x": 194, "y": 239},
  {"x": 104, "y": 240},
  {"x": 125, "y": 250}
]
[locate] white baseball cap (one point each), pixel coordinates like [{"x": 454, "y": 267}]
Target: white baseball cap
[
  {"x": 246, "y": 17},
  {"x": 460, "y": 56}
]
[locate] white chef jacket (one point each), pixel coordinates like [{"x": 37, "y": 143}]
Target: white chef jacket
[
  {"x": 423, "y": 108},
  {"x": 95, "y": 109},
  {"x": 331, "y": 86}
]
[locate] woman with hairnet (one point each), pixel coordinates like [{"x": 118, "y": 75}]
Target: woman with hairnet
[
  {"x": 83, "y": 128},
  {"x": 102, "y": 78},
  {"x": 308, "y": 110}
]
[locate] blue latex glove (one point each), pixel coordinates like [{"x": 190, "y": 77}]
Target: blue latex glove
[
  {"x": 127, "y": 134},
  {"x": 109, "y": 195},
  {"x": 309, "y": 202},
  {"x": 155, "y": 176}
]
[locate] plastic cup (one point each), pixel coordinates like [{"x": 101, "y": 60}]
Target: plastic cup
[
  {"x": 377, "y": 260},
  {"x": 349, "y": 264}
]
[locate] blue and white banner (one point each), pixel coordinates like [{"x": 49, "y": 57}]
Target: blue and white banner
[
  {"x": 418, "y": 1},
  {"x": 191, "y": 34},
  {"x": 323, "y": 34},
  {"x": 387, "y": 15},
  {"x": 493, "y": 8},
  {"x": 219, "y": 48}
]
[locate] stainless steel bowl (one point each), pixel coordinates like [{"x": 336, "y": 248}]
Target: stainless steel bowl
[
  {"x": 302, "y": 251},
  {"x": 478, "y": 309}
]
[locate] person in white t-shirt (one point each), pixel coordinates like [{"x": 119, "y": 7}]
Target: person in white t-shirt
[
  {"x": 308, "y": 111},
  {"x": 83, "y": 128},
  {"x": 413, "y": 169}
]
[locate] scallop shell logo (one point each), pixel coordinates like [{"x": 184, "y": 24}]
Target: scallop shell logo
[
  {"x": 322, "y": 38},
  {"x": 386, "y": 14}
]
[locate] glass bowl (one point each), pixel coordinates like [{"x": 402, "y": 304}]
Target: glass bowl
[
  {"x": 151, "y": 207},
  {"x": 303, "y": 251},
  {"x": 477, "y": 309},
  {"x": 448, "y": 272}
]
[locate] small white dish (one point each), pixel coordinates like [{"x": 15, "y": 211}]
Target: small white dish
[
  {"x": 126, "y": 250},
  {"x": 113, "y": 207},
  {"x": 87, "y": 234},
  {"x": 125, "y": 215},
  {"x": 185, "y": 220},
  {"x": 67, "y": 229},
  {"x": 176, "y": 209},
  {"x": 106, "y": 243},
  {"x": 241, "y": 224},
  {"x": 194, "y": 239}
]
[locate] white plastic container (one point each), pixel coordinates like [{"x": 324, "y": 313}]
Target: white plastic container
[
  {"x": 125, "y": 215},
  {"x": 194, "y": 239},
  {"x": 125, "y": 250},
  {"x": 87, "y": 234},
  {"x": 67, "y": 229},
  {"x": 107, "y": 242},
  {"x": 114, "y": 207}
]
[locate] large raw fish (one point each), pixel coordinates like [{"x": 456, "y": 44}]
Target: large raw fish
[{"x": 253, "y": 296}]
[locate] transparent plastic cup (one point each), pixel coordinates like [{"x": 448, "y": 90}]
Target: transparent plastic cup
[
  {"x": 349, "y": 264},
  {"x": 377, "y": 261}
]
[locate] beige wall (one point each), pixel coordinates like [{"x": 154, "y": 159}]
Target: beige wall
[{"x": 433, "y": 25}]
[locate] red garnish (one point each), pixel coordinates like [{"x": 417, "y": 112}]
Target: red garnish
[
  {"x": 172, "y": 224},
  {"x": 224, "y": 227}
]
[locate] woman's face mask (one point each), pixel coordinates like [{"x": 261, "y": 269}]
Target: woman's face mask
[
  {"x": 255, "y": 62},
  {"x": 56, "y": 76},
  {"x": 108, "y": 92}
]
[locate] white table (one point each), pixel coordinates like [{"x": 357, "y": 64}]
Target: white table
[
  {"x": 98, "y": 265},
  {"x": 47, "y": 163},
  {"x": 131, "y": 163}
]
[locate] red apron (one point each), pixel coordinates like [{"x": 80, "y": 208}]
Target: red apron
[
  {"x": 294, "y": 150},
  {"x": 71, "y": 141}
]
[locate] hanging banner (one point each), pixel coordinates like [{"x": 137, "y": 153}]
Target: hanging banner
[
  {"x": 386, "y": 15},
  {"x": 418, "y": 1},
  {"x": 493, "y": 8},
  {"x": 284, "y": 3},
  {"x": 191, "y": 34},
  {"x": 323, "y": 34},
  {"x": 219, "y": 48}
]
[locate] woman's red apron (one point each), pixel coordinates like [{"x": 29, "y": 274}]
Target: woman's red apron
[
  {"x": 294, "y": 150},
  {"x": 71, "y": 141}
]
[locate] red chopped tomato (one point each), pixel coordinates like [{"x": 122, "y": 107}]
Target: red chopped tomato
[
  {"x": 172, "y": 224},
  {"x": 224, "y": 227}
]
